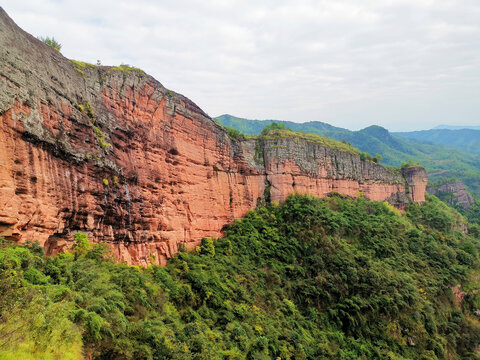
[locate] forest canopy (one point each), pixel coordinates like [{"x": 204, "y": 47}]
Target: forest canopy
[{"x": 309, "y": 278}]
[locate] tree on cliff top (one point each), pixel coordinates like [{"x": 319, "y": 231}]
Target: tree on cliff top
[
  {"x": 273, "y": 126},
  {"x": 50, "y": 41}
]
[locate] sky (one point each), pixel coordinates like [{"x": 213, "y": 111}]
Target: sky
[{"x": 402, "y": 64}]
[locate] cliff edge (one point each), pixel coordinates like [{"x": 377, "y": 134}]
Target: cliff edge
[{"x": 111, "y": 152}]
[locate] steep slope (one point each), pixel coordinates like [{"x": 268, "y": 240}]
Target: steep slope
[
  {"x": 441, "y": 161},
  {"x": 110, "y": 151}
]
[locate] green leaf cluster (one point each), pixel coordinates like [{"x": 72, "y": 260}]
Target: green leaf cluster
[
  {"x": 50, "y": 41},
  {"x": 127, "y": 69}
]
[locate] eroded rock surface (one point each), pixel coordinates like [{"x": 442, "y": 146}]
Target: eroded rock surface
[
  {"x": 111, "y": 152},
  {"x": 454, "y": 193}
]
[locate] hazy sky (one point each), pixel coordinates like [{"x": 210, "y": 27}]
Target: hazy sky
[{"x": 402, "y": 64}]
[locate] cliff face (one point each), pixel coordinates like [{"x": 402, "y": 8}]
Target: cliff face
[{"x": 111, "y": 152}]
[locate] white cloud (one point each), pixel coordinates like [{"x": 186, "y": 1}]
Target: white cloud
[{"x": 403, "y": 64}]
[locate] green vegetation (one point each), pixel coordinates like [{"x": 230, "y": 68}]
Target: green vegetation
[
  {"x": 275, "y": 131},
  {"x": 88, "y": 110},
  {"x": 80, "y": 71},
  {"x": 80, "y": 107},
  {"x": 105, "y": 182},
  {"x": 466, "y": 140},
  {"x": 367, "y": 157},
  {"x": 127, "y": 69},
  {"x": 50, "y": 41},
  {"x": 260, "y": 142},
  {"x": 321, "y": 140},
  {"x": 333, "y": 278},
  {"x": 101, "y": 138},
  {"x": 234, "y": 134},
  {"x": 410, "y": 163},
  {"x": 472, "y": 213},
  {"x": 80, "y": 66}
]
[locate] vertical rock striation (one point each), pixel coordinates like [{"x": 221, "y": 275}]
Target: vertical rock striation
[
  {"x": 417, "y": 179},
  {"x": 111, "y": 152}
]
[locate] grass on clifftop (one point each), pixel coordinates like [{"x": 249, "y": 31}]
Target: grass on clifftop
[
  {"x": 80, "y": 66},
  {"x": 314, "y": 138},
  {"x": 275, "y": 131},
  {"x": 127, "y": 69},
  {"x": 278, "y": 130}
]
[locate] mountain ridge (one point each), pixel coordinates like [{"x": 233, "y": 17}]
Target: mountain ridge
[{"x": 466, "y": 140}]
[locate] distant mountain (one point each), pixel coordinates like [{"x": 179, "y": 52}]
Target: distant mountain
[
  {"x": 466, "y": 140},
  {"x": 457, "y": 127},
  {"x": 253, "y": 127},
  {"x": 441, "y": 161}
]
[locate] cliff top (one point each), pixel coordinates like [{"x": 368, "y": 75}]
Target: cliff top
[{"x": 314, "y": 138}]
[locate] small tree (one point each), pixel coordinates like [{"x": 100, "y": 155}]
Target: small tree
[
  {"x": 82, "y": 245},
  {"x": 378, "y": 158},
  {"x": 207, "y": 247},
  {"x": 50, "y": 41},
  {"x": 273, "y": 126}
]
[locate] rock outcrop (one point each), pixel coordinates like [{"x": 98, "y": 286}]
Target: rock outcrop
[
  {"x": 417, "y": 179},
  {"x": 111, "y": 152},
  {"x": 453, "y": 192}
]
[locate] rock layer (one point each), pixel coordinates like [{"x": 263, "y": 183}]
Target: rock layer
[{"x": 111, "y": 152}]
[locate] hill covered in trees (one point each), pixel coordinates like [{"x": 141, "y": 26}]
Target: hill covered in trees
[
  {"x": 309, "y": 278},
  {"x": 466, "y": 140}
]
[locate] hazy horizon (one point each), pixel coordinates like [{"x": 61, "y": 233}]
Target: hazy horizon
[
  {"x": 402, "y": 64},
  {"x": 437, "y": 127}
]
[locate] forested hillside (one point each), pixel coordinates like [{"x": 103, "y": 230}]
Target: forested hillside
[
  {"x": 333, "y": 278},
  {"x": 466, "y": 140}
]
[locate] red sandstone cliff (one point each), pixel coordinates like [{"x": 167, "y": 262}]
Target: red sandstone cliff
[{"x": 113, "y": 153}]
